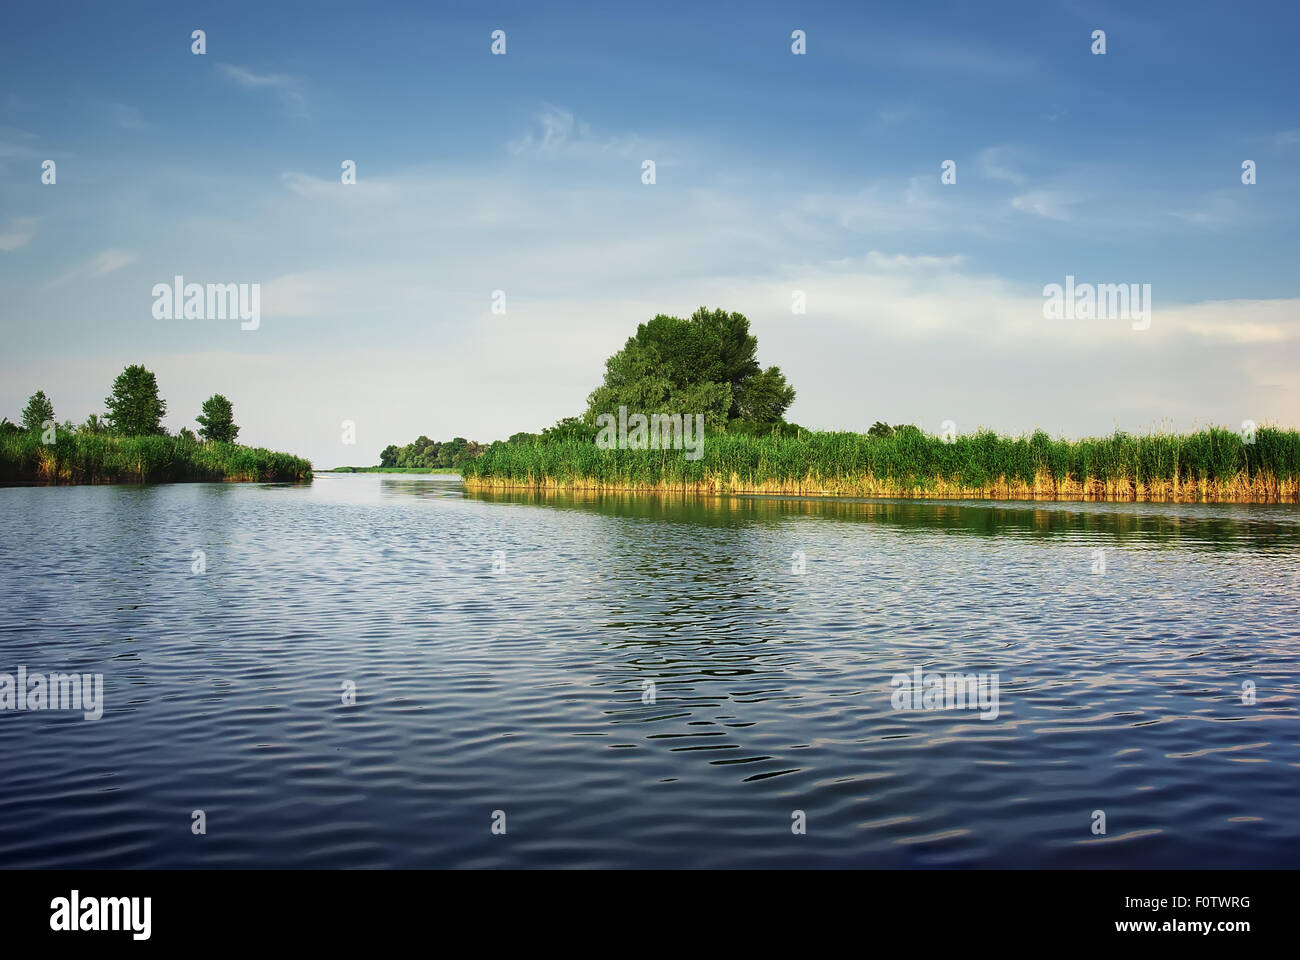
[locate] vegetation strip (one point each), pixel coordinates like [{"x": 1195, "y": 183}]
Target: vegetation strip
[{"x": 1211, "y": 465}]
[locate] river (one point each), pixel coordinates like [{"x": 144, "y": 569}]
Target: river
[{"x": 387, "y": 671}]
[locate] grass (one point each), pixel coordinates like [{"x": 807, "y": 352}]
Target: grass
[
  {"x": 1212, "y": 464},
  {"x": 394, "y": 470},
  {"x": 101, "y": 458}
]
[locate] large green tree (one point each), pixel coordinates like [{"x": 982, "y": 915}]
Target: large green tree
[
  {"x": 134, "y": 407},
  {"x": 706, "y": 364},
  {"x": 39, "y": 409},
  {"x": 217, "y": 421}
]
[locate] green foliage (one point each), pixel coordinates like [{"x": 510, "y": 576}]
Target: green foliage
[
  {"x": 570, "y": 428},
  {"x": 907, "y": 457},
  {"x": 424, "y": 452},
  {"x": 393, "y": 470},
  {"x": 764, "y": 397},
  {"x": 752, "y": 429},
  {"x": 706, "y": 364},
  {"x": 217, "y": 421},
  {"x": 101, "y": 458},
  {"x": 39, "y": 409},
  {"x": 134, "y": 407}
]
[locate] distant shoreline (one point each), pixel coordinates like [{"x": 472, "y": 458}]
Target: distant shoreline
[{"x": 455, "y": 470}]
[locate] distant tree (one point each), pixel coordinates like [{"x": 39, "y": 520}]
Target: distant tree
[
  {"x": 423, "y": 452},
  {"x": 523, "y": 437},
  {"x": 880, "y": 429},
  {"x": 134, "y": 407},
  {"x": 38, "y": 410},
  {"x": 94, "y": 424},
  {"x": 187, "y": 435},
  {"x": 570, "y": 428},
  {"x": 217, "y": 421}
]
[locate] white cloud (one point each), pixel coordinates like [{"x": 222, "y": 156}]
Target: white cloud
[
  {"x": 556, "y": 131},
  {"x": 997, "y": 163},
  {"x": 100, "y": 265},
  {"x": 1044, "y": 203},
  {"x": 901, "y": 261},
  {"x": 288, "y": 87},
  {"x": 18, "y": 235},
  {"x": 107, "y": 261}
]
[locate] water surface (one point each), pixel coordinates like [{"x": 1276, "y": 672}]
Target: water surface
[{"x": 500, "y": 647}]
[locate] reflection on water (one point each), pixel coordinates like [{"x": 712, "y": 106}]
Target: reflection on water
[{"x": 645, "y": 681}]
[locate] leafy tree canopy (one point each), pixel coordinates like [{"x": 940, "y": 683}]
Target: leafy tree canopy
[
  {"x": 134, "y": 407},
  {"x": 217, "y": 421},
  {"x": 39, "y": 409},
  {"x": 706, "y": 364},
  {"x": 426, "y": 453}
]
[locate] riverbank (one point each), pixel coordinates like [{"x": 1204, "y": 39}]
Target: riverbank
[
  {"x": 1213, "y": 465},
  {"x": 80, "y": 458}
]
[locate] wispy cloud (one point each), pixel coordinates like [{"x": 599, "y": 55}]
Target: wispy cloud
[
  {"x": 901, "y": 261},
  {"x": 100, "y": 265},
  {"x": 1044, "y": 203},
  {"x": 556, "y": 131},
  {"x": 288, "y": 87},
  {"x": 125, "y": 116},
  {"x": 997, "y": 163},
  {"x": 16, "y": 143},
  {"x": 18, "y": 235},
  {"x": 1213, "y": 211}
]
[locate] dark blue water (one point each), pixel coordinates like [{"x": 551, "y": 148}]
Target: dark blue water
[{"x": 499, "y": 648}]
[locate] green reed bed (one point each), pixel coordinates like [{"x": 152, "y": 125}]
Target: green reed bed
[
  {"x": 909, "y": 459},
  {"x": 101, "y": 458}
]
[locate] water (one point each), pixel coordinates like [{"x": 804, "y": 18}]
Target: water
[{"x": 520, "y": 689}]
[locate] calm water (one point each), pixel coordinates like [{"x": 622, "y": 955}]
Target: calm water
[{"x": 520, "y": 689}]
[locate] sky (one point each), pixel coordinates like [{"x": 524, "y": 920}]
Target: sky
[{"x": 775, "y": 172}]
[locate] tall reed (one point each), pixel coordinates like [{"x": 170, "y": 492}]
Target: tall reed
[
  {"x": 101, "y": 458},
  {"x": 1214, "y": 463}
]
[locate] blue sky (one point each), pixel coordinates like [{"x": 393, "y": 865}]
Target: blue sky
[{"x": 775, "y": 173}]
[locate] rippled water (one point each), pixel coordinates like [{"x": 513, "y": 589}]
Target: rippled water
[{"x": 500, "y": 644}]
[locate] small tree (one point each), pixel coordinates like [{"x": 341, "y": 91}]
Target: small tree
[
  {"x": 217, "y": 421},
  {"x": 38, "y": 410},
  {"x": 134, "y": 407},
  {"x": 94, "y": 424}
]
